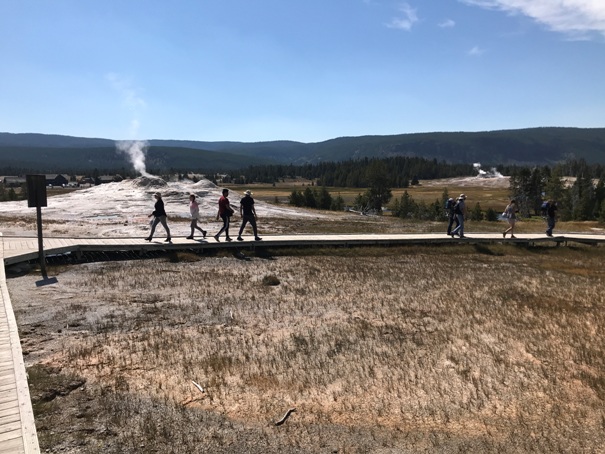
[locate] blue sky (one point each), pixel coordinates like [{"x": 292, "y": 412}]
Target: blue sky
[{"x": 305, "y": 70}]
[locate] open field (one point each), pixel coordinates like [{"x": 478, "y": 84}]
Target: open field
[
  {"x": 384, "y": 350},
  {"x": 489, "y": 192}
]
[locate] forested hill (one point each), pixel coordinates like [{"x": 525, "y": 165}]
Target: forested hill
[{"x": 541, "y": 146}]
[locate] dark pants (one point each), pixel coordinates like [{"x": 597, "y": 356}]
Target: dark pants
[
  {"x": 225, "y": 228},
  {"x": 157, "y": 220},
  {"x": 551, "y": 225},
  {"x": 245, "y": 219},
  {"x": 460, "y": 229},
  {"x": 453, "y": 218}
]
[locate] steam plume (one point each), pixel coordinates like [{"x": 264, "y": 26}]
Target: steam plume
[
  {"x": 135, "y": 150},
  {"x": 493, "y": 173}
]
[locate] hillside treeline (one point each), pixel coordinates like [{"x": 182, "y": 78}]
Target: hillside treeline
[
  {"x": 529, "y": 147},
  {"x": 399, "y": 172}
]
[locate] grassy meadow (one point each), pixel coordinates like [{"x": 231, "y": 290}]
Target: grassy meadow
[
  {"x": 490, "y": 193},
  {"x": 382, "y": 350}
]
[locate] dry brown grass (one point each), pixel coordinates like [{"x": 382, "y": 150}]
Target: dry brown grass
[{"x": 415, "y": 349}]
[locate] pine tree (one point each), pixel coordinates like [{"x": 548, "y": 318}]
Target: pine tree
[
  {"x": 491, "y": 215},
  {"x": 583, "y": 198},
  {"x": 520, "y": 189},
  {"x": 477, "y": 213},
  {"x": 309, "y": 198},
  {"x": 324, "y": 199},
  {"x": 379, "y": 192},
  {"x": 338, "y": 203},
  {"x": 297, "y": 199},
  {"x": 407, "y": 206}
]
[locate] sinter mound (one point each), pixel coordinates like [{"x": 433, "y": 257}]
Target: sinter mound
[{"x": 149, "y": 182}]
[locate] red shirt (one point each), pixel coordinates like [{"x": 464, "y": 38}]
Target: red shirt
[{"x": 223, "y": 203}]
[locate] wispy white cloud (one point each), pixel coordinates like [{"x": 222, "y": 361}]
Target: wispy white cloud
[
  {"x": 476, "y": 51},
  {"x": 130, "y": 97},
  {"x": 574, "y": 17},
  {"x": 406, "y": 20},
  {"x": 447, "y": 23}
]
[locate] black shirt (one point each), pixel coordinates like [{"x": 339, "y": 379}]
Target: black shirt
[
  {"x": 159, "y": 209},
  {"x": 247, "y": 204}
]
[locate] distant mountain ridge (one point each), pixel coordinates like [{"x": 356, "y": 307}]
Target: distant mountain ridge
[{"x": 533, "y": 146}]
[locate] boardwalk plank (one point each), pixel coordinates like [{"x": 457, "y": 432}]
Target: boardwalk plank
[
  {"x": 10, "y": 386},
  {"x": 7, "y": 379},
  {"x": 10, "y": 427},
  {"x": 10, "y": 418},
  {"x": 12, "y": 446},
  {"x": 8, "y": 398},
  {"x": 8, "y": 410}
]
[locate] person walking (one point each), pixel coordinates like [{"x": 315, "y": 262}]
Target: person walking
[
  {"x": 248, "y": 214},
  {"x": 460, "y": 212},
  {"x": 194, "y": 209},
  {"x": 510, "y": 213},
  {"x": 159, "y": 216},
  {"x": 224, "y": 212},
  {"x": 551, "y": 216},
  {"x": 449, "y": 212}
]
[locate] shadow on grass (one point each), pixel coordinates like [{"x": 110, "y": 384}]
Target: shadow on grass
[{"x": 482, "y": 249}]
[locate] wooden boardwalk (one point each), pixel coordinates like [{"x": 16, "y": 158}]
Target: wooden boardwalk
[
  {"x": 22, "y": 249},
  {"x": 17, "y": 429}
]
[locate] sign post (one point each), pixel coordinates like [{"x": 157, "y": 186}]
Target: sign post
[{"x": 36, "y": 197}]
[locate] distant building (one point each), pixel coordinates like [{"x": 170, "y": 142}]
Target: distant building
[
  {"x": 109, "y": 179},
  {"x": 86, "y": 181},
  {"x": 56, "y": 180},
  {"x": 12, "y": 181}
]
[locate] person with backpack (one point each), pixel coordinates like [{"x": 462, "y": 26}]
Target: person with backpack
[
  {"x": 510, "y": 214},
  {"x": 451, "y": 216},
  {"x": 551, "y": 215},
  {"x": 460, "y": 212}
]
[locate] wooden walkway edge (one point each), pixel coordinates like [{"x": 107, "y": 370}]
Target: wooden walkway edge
[{"x": 17, "y": 427}]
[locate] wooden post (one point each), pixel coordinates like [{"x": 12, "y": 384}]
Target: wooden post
[
  {"x": 41, "y": 255},
  {"x": 36, "y": 197}
]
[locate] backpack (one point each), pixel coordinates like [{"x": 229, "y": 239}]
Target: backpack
[
  {"x": 544, "y": 208},
  {"x": 457, "y": 208}
]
